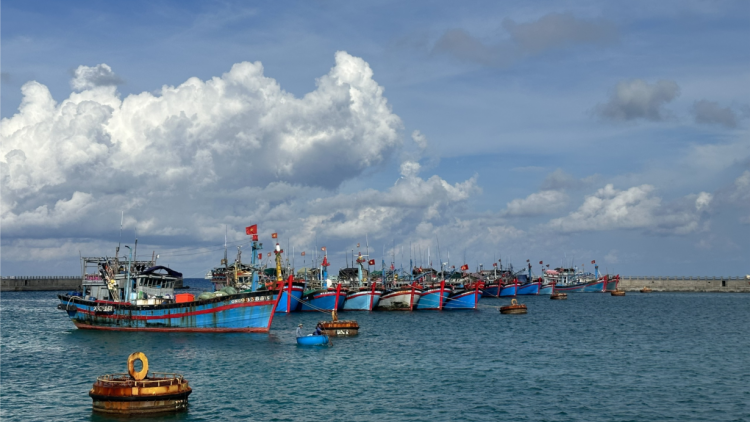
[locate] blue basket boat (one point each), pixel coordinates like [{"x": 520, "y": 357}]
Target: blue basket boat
[{"x": 313, "y": 341}]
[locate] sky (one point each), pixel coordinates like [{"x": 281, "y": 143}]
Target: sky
[{"x": 562, "y": 132}]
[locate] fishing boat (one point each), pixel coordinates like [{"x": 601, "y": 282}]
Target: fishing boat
[
  {"x": 312, "y": 340},
  {"x": 122, "y": 295},
  {"x": 403, "y": 298},
  {"x": 546, "y": 288},
  {"x": 322, "y": 294},
  {"x": 509, "y": 289},
  {"x": 528, "y": 286},
  {"x": 360, "y": 297},
  {"x": 569, "y": 280},
  {"x": 465, "y": 297},
  {"x": 433, "y": 297}
]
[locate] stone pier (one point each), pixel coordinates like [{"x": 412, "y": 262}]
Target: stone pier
[
  {"x": 686, "y": 283},
  {"x": 40, "y": 283}
]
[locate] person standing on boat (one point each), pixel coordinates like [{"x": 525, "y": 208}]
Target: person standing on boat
[{"x": 299, "y": 331}]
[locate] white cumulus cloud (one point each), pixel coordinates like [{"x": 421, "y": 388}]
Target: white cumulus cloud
[
  {"x": 543, "y": 202},
  {"x": 635, "y": 208}
]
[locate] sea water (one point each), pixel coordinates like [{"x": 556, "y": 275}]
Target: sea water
[{"x": 642, "y": 357}]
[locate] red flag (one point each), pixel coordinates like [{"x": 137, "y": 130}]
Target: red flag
[
  {"x": 260, "y": 255},
  {"x": 274, "y": 235},
  {"x": 325, "y": 262},
  {"x": 593, "y": 262},
  {"x": 255, "y": 238},
  {"x": 464, "y": 267},
  {"x": 540, "y": 262},
  {"x": 323, "y": 248},
  {"x": 371, "y": 262},
  {"x": 494, "y": 264},
  {"x": 303, "y": 253},
  {"x": 251, "y": 229},
  {"x": 392, "y": 267}
]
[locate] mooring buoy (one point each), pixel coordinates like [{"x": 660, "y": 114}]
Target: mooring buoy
[{"x": 138, "y": 392}]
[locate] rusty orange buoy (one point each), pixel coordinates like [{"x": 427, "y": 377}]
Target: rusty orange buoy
[
  {"x": 340, "y": 328},
  {"x": 646, "y": 290},
  {"x": 138, "y": 392},
  {"x": 617, "y": 292},
  {"x": 513, "y": 308},
  {"x": 558, "y": 296}
]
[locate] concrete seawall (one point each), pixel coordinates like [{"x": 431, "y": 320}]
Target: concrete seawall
[
  {"x": 733, "y": 284},
  {"x": 40, "y": 283}
]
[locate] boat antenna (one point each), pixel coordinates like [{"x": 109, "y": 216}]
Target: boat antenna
[
  {"x": 440, "y": 257},
  {"x": 367, "y": 245},
  {"x": 225, "y": 246},
  {"x": 122, "y": 216}
]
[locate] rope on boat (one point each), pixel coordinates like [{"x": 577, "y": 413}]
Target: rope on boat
[{"x": 325, "y": 311}]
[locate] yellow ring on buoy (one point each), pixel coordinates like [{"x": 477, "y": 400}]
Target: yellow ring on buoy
[
  {"x": 513, "y": 302},
  {"x": 138, "y": 376}
]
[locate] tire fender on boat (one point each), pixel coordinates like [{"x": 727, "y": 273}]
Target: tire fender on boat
[{"x": 140, "y": 375}]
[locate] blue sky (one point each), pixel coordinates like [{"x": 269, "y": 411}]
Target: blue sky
[{"x": 554, "y": 131}]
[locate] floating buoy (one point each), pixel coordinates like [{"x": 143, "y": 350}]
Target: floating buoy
[
  {"x": 646, "y": 290},
  {"x": 138, "y": 392},
  {"x": 617, "y": 292},
  {"x": 558, "y": 296},
  {"x": 340, "y": 328},
  {"x": 513, "y": 308}
]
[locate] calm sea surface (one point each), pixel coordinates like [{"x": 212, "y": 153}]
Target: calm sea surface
[{"x": 594, "y": 357}]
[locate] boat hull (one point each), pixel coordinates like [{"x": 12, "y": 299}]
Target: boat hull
[
  {"x": 587, "y": 287},
  {"x": 509, "y": 290},
  {"x": 289, "y": 303},
  {"x": 528, "y": 289},
  {"x": 433, "y": 299},
  {"x": 365, "y": 300},
  {"x": 399, "y": 300},
  {"x": 546, "y": 289},
  {"x": 241, "y": 312},
  {"x": 466, "y": 299},
  {"x": 492, "y": 290},
  {"x": 323, "y": 301}
]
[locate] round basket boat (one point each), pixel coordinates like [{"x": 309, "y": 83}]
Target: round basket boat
[
  {"x": 559, "y": 296},
  {"x": 646, "y": 290},
  {"x": 617, "y": 292},
  {"x": 513, "y": 308},
  {"x": 140, "y": 392},
  {"x": 313, "y": 340}
]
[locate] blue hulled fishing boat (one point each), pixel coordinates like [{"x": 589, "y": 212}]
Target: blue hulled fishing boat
[
  {"x": 568, "y": 280},
  {"x": 323, "y": 299},
  {"x": 359, "y": 296},
  {"x": 547, "y": 287},
  {"x": 433, "y": 297},
  {"x": 320, "y": 296},
  {"x": 464, "y": 298},
  {"x": 510, "y": 289},
  {"x": 139, "y": 296}
]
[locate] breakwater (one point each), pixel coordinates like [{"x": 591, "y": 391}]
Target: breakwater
[
  {"x": 730, "y": 284},
  {"x": 40, "y": 283}
]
